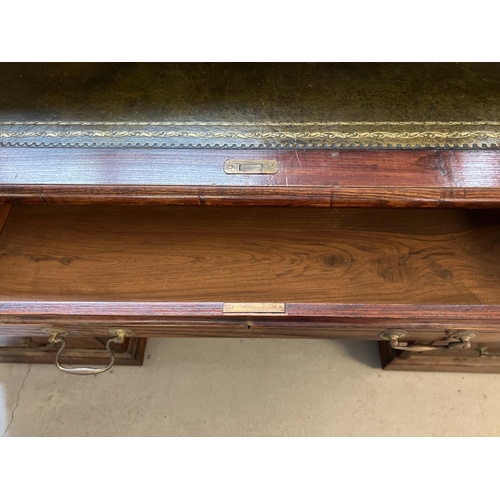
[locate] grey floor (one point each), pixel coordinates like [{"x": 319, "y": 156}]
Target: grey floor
[{"x": 232, "y": 387}]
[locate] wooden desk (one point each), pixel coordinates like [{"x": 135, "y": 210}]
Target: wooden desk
[{"x": 250, "y": 200}]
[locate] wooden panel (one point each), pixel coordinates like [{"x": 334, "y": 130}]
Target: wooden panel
[
  {"x": 337, "y": 177},
  {"x": 4, "y": 213},
  {"x": 269, "y": 329},
  {"x": 480, "y": 358},
  {"x": 191, "y": 167},
  {"x": 250, "y": 328},
  {"x": 312, "y": 196},
  {"x": 79, "y": 350},
  {"x": 34, "y": 314},
  {"x": 173, "y": 254}
]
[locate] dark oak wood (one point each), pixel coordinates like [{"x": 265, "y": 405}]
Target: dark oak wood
[
  {"x": 327, "y": 178},
  {"x": 480, "y": 358},
  {"x": 79, "y": 350}
]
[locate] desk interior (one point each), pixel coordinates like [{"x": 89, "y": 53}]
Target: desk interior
[{"x": 250, "y": 254}]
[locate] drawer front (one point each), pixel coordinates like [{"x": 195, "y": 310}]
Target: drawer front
[
  {"x": 482, "y": 357},
  {"x": 79, "y": 350},
  {"x": 255, "y": 328}
]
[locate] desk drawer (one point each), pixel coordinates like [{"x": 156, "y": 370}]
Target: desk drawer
[
  {"x": 86, "y": 343},
  {"x": 23, "y": 348},
  {"x": 250, "y": 272},
  {"x": 255, "y": 328},
  {"x": 482, "y": 357}
]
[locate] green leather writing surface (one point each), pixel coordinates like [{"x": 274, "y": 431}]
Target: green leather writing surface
[{"x": 225, "y": 105}]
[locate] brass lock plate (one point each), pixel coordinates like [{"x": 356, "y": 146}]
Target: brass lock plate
[{"x": 251, "y": 166}]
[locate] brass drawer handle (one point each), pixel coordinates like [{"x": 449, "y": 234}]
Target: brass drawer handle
[
  {"x": 57, "y": 336},
  {"x": 458, "y": 340},
  {"x": 483, "y": 352}
]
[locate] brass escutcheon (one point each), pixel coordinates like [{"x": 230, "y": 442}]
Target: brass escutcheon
[{"x": 251, "y": 167}]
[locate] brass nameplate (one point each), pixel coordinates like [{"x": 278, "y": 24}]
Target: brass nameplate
[
  {"x": 255, "y": 307},
  {"x": 251, "y": 167}
]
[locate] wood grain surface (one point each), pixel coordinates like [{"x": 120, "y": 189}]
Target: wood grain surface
[
  {"x": 480, "y": 358},
  {"x": 418, "y": 329},
  {"x": 4, "y": 213},
  {"x": 203, "y": 255},
  {"x": 79, "y": 350},
  {"x": 427, "y": 178}
]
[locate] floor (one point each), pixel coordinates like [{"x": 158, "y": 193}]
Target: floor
[{"x": 251, "y": 387}]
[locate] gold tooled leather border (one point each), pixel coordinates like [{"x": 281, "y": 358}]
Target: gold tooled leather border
[{"x": 219, "y": 134}]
